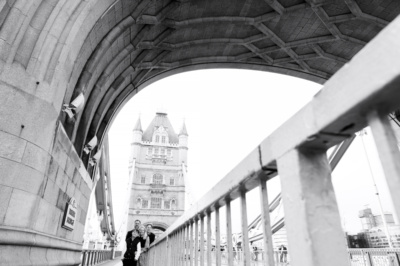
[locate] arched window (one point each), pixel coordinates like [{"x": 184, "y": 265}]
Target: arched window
[
  {"x": 157, "y": 179},
  {"x": 173, "y": 204},
  {"x": 145, "y": 204},
  {"x": 139, "y": 202},
  {"x": 156, "y": 203},
  {"x": 167, "y": 204}
]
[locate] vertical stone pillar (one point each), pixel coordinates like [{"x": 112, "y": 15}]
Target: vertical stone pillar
[
  {"x": 312, "y": 217},
  {"x": 40, "y": 173}
]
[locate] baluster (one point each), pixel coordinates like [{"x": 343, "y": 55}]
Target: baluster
[
  {"x": 208, "y": 238},
  {"x": 168, "y": 251},
  {"x": 266, "y": 225},
  {"x": 196, "y": 242},
  {"x": 312, "y": 218},
  {"x": 90, "y": 258},
  {"x": 386, "y": 144},
  {"x": 245, "y": 232},
  {"x": 187, "y": 245},
  {"x": 191, "y": 244},
  {"x": 184, "y": 245},
  {"x": 180, "y": 247},
  {"x": 83, "y": 257},
  {"x": 201, "y": 240},
  {"x": 174, "y": 250},
  {"x": 217, "y": 238},
  {"x": 229, "y": 232}
]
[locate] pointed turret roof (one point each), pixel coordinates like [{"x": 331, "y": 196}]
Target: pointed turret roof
[
  {"x": 183, "y": 130},
  {"x": 161, "y": 119},
  {"x": 138, "y": 126}
]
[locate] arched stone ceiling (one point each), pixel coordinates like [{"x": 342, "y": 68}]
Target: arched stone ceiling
[
  {"x": 110, "y": 49},
  {"x": 137, "y": 41}
]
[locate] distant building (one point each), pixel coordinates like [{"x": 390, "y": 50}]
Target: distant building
[
  {"x": 157, "y": 165},
  {"x": 373, "y": 234}
]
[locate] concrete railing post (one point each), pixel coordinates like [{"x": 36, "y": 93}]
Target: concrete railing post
[{"x": 311, "y": 212}]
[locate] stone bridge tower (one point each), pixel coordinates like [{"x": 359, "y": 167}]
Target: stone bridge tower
[{"x": 157, "y": 164}]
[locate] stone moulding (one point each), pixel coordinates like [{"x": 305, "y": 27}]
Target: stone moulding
[{"x": 26, "y": 237}]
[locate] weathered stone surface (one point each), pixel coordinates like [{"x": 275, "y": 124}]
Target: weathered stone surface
[
  {"x": 17, "y": 175},
  {"x": 70, "y": 169},
  {"x": 62, "y": 179},
  {"x": 51, "y": 192},
  {"x": 5, "y": 195},
  {"x": 10, "y": 255},
  {"x": 11, "y": 147},
  {"x": 36, "y": 158},
  {"x": 26, "y": 116},
  {"x": 48, "y": 218},
  {"x": 20, "y": 209},
  {"x": 59, "y": 155},
  {"x": 62, "y": 201},
  {"x": 70, "y": 189},
  {"x": 52, "y": 169}
]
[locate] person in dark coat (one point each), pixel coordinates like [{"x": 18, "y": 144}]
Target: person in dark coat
[
  {"x": 133, "y": 248},
  {"x": 151, "y": 235}
]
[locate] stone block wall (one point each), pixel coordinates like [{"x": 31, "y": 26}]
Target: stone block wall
[{"x": 39, "y": 172}]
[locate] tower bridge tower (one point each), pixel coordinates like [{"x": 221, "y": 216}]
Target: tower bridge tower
[{"x": 157, "y": 165}]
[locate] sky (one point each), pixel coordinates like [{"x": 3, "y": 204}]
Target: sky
[{"x": 227, "y": 114}]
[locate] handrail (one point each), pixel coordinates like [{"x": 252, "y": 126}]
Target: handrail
[
  {"x": 96, "y": 256},
  {"x": 361, "y": 93}
]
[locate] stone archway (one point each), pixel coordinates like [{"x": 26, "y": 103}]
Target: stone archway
[{"x": 53, "y": 51}]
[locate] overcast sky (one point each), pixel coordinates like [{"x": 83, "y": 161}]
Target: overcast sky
[{"x": 227, "y": 114}]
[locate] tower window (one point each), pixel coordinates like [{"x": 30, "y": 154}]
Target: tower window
[
  {"x": 173, "y": 204},
  {"x": 143, "y": 179},
  {"x": 167, "y": 204},
  {"x": 163, "y": 139},
  {"x": 155, "y": 203},
  {"x": 157, "y": 138},
  {"x": 145, "y": 204},
  {"x": 157, "y": 179},
  {"x": 172, "y": 181}
]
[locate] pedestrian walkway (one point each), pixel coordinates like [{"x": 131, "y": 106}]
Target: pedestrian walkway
[{"x": 114, "y": 262}]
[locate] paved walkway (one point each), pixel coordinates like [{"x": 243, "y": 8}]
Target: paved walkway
[{"x": 115, "y": 262}]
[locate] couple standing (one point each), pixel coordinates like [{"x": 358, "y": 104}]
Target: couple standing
[{"x": 137, "y": 240}]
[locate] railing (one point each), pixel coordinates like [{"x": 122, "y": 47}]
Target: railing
[
  {"x": 357, "y": 257},
  {"x": 374, "y": 257},
  {"x": 361, "y": 93},
  {"x": 95, "y": 256}
]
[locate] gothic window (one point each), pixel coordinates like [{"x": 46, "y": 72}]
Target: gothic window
[
  {"x": 143, "y": 179},
  {"x": 139, "y": 202},
  {"x": 172, "y": 181},
  {"x": 173, "y": 204},
  {"x": 157, "y": 138},
  {"x": 155, "y": 203},
  {"x": 167, "y": 204},
  {"x": 163, "y": 139},
  {"x": 145, "y": 204},
  {"x": 157, "y": 179}
]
